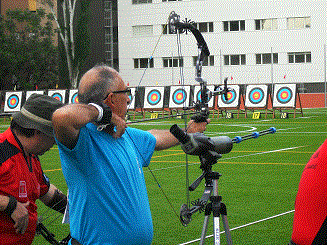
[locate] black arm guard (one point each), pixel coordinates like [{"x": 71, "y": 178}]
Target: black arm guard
[
  {"x": 106, "y": 118},
  {"x": 58, "y": 202}
]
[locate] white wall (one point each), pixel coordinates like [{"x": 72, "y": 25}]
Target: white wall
[{"x": 247, "y": 42}]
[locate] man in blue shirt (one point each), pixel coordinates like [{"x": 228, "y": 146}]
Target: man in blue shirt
[{"x": 108, "y": 202}]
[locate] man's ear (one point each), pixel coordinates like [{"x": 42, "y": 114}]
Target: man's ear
[{"x": 109, "y": 100}]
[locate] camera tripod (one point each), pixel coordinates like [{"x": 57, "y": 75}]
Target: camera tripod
[
  {"x": 217, "y": 209},
  {"x": 209, "y": 151},
  {"x": 210, "y": 201}
]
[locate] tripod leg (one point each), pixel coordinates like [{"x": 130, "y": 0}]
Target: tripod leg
[
  {"x": 223, "y": 212},
  {"x": 216, "y": 230},
  {"x": 207, "y": 214},
  {"x": 204, "y": 229}
]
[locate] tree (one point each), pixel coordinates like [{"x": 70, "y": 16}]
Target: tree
[
  {"x": 28, "y": 57},
  {"x": 75, "y": 45}
]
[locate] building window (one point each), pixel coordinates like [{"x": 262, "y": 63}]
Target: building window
[
  {"x": 204, "y": 26},
  {"x": 142, "y": 31},
  {"x": 234, "y": 59},
  {"x": 266, "y": 24},
  {"x": 206, "y": 62},
  {"x": 141, "y": 1},
  {"x": 266, "y": 58},
  {"x": 143, "y": 63},
  {"x": 237, "y": 25},
  {"x": 299, "y": 57},
  {"x": 298, "y": 22},
  {"x": 173, "y": 62},
  {"x": 167, "y": 30}
]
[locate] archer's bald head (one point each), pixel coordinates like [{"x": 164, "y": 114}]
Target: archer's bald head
[{"x": 96, "y": 83}]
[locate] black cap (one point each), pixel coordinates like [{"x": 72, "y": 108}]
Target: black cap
[{"x": 37, "y": 112}]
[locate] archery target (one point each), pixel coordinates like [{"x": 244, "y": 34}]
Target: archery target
[
  {"x": 131, "y": 105},
  {"x": 284, "y": 95},
  {"x": 233, "y": 97},
  {"x": 13, "y": 101},
  {"x": 197, "y": 95},
  {"x": 179, "y": 96},
  {"x": 29, "y": 93},
  {"x": 73, "y": 96},
  {"x": 256, "y": 96},
  {"x": 58, "y": 94},
  {"x": 154, "y": 97}
]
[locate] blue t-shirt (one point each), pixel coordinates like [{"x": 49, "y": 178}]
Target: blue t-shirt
[{"x": 108, "y": 201}]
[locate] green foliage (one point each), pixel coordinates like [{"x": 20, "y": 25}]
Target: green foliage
[{"x": 27, "y": 54}]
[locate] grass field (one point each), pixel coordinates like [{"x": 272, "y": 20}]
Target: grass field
[{"x": 259, "y": 179}]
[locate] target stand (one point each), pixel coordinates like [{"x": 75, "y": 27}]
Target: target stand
[
  {"x": 256, "y": 98},
  {"x": 286, "y": 97},
  {"x": 233, "y": 102}
]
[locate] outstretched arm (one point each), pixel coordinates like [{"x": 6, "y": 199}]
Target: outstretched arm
[{"x": 165, "y": 140}]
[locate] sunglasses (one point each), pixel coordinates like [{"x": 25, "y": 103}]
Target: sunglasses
[{"x": 127, "y": 91}]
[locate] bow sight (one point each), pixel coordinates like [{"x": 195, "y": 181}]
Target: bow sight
[
  {"x": 176, "y": 26},
  {"x": 209, "y": 150}
]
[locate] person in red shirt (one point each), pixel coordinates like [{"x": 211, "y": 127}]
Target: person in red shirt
[
  {"x": 310, "y": 216},
  {"x": 22, "y": 180}
]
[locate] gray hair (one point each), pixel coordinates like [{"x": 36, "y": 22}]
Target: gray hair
[{"x": 96, "y": 92}]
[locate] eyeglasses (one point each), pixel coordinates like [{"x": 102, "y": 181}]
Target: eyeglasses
[{"x": 127, "y": 91}]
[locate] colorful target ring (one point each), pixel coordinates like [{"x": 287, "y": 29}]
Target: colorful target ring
[
  {"x": 256, "y": 95},
  {"x": 57, "y": 96},
  {"x": 13, "y": 101},
  {"x": 74, "y": 98},
  {"x": 154, "y": 97},
  {"x": 231, "y": 97},
  {"x": 284, "y": 95},
  {"x": 179, "y": 96}
]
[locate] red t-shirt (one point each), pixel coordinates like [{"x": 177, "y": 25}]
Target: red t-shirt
[
  {"x": 22, "y": 177},
  {"x": 311, "y": 199}
]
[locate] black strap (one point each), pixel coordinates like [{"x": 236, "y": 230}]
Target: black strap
[
  {"x": 292, "y": 243},
  {"x": 321, "y": 237},
  {"x": 75, "y": 242},
  {"x": 12, "y": 204}
]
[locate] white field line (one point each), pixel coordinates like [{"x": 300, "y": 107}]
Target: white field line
[
  {"x": 242, "y": 226},
  {"x": 253, "y": 154}
]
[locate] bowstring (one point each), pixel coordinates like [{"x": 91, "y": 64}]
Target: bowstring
[
  {"x": 181, "y": 70},
  {"x": 133, "y": 96}
]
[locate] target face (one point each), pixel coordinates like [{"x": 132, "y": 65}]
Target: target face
[
  {"x": 256, "y": 95},
  {"x": 73, "y": 96},
  {"x": 57, "y": 96},
  {"x": 284, "y": 95},
  {"x": 231, "y": 97},
  {"x": 13, "y": 101},
  {"x": 179, "y": 96},
  {"x": 154, "y": 97},
  {"x": 197, "y": 95}
]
